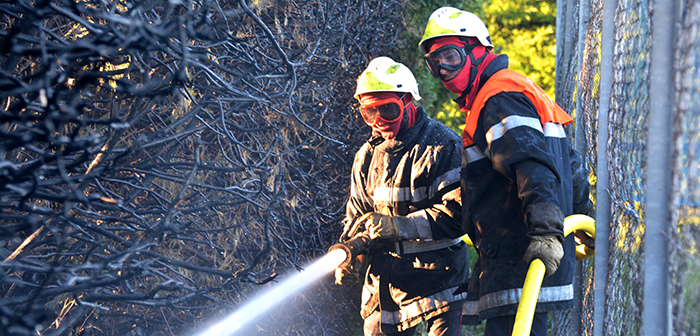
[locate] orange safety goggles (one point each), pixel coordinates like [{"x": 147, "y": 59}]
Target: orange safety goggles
[{"x": 387, "y": 110}]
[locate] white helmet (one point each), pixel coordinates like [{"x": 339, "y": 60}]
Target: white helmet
[
  {"x": 384, "y": 74},
  {"x": 450, "y": 21}
]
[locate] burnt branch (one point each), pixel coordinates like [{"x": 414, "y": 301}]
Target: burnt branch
[{"x": 162, "y": 159}]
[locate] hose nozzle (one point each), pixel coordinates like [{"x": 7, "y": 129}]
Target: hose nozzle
[{"x": 353, "y": 247}]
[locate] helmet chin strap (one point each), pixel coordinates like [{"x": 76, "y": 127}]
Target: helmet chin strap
[
  {"x": 475, "y": 62},
  {"x": 462, "y": 82}
]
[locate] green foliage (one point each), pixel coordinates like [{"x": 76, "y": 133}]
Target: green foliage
[
  {"x": 522, "y": 29},
  {"x": 526, "y": 31},
  {"x": 450, "y": 115}
]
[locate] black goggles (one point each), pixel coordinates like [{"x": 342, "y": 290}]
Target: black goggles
[
  {"x": 449, "y": 57},
  {"x": 387, "y": 110}
]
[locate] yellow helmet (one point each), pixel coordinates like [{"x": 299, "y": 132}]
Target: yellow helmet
[
  {"x": 450, "y": 21},
  {"x": 385, "y": 74}
]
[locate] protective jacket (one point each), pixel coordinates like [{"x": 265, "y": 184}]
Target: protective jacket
[
  {"x": 414, "y": 176},
  {"x": 516, "y": 158}
]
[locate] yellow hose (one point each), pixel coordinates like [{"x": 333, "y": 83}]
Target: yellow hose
[
  {"x": 580, "y": 222},
  {"x": 535, "y": 275},
  {"x": 467, "y": 240},
  {"x": 528, "y": 299}
]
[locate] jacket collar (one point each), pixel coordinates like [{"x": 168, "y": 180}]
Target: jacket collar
[{"x": 497, "y": 64}]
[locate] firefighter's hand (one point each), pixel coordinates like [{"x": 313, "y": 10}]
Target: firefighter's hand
[
  {"x": 380, "y": 226},
  {"x": 582, "y": 238},
  {"x": 546, "y": 248},
  {"x": 345, "y": 276}
]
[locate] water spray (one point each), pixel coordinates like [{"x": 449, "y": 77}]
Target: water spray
[{"x": 339, "y": 255}]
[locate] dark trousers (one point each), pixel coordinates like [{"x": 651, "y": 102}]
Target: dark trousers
[
  {"x": 445, "y": 324},
  {"x": 503, "y": 325}
]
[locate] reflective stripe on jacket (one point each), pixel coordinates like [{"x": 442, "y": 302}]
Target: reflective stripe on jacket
[
  {"x": 415, "y": 175},
  {"x": 515, "y": 154},
  {"x": 550, "y": 114}
]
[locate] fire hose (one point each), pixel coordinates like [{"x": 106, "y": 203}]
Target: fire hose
[
  {"x": 355, "y": 241},
  {"x": 535, "y": 275},
  {"x": 360, "y": 245}
]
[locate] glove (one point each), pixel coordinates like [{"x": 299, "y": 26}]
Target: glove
[
  {"x": 380, "y": 226},
  {"x": 582, "y": 238},
  {"x": 346, "y": 276},
  {"x": 546, "y": 248},
  {"x": 353, "y": 226}
]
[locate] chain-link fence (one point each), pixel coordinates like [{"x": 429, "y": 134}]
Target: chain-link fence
[
  {"x": 626, "y": 154},
  {"x": 588, "y": 95},
  {"x": 685, "y": 232},
  {"x": 577, "y": 91}
]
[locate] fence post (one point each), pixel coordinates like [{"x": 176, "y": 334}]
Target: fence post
[
  {"x": 603, "y": 209},
  {"x": 580, "y": 143},
  {"x": 656, "y": 317}
]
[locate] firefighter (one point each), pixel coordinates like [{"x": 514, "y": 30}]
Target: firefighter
[
  {"x": 519, "y": 176},
  {"x": 405, "y": 190}
]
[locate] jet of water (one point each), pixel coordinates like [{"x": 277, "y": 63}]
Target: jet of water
[{"x": 252, "y": 310}]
